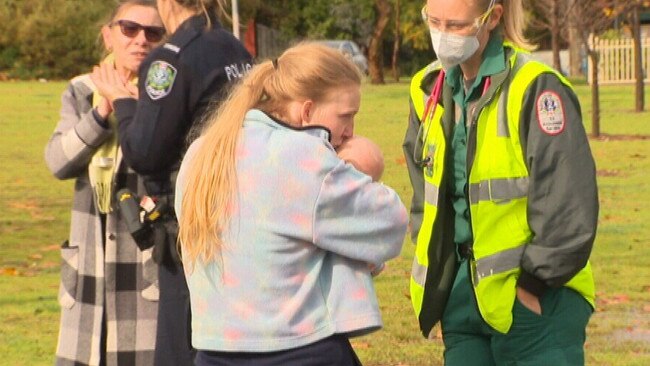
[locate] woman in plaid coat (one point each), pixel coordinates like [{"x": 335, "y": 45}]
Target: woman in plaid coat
[{"x": 109, "y": 290}]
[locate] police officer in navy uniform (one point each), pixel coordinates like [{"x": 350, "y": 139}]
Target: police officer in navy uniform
[{"x": 177, "y": 83}]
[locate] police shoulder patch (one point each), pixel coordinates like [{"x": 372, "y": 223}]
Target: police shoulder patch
[
  {"x": 160, "y": 79},
  {"x": 550, "y": 113}
]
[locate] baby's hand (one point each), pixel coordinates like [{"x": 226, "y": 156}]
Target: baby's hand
[
  {"x": 364, "y": 155},
  {"x": 376, "y": 269}
]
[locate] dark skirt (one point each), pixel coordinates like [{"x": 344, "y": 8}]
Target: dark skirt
[{"x": 332, "y": 351}]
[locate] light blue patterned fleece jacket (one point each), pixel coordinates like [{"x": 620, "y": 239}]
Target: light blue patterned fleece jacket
[{"x": 304, "y": 227}]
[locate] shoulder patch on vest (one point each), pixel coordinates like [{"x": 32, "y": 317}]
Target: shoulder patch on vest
[
  {"x": 550, "y": 112},
  {"x": 160, "y": 79}
]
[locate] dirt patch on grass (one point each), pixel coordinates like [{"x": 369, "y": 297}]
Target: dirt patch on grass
[
  {"x": 608, "y": 137},
  {"x": 607, "y": 173},
  {"x": 633, "y": 334},
  {"x": 34, "y": 209}
]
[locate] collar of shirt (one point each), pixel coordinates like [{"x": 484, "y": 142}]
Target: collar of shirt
[
  {"x": 256, "y": 115},
  {"x": 494, "y": 62}
]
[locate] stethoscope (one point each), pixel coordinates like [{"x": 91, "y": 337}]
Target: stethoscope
[{"x": 429, "y": 112}]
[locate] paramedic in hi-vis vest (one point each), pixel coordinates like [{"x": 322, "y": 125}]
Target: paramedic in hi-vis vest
[{"x": 505, "y": 204}]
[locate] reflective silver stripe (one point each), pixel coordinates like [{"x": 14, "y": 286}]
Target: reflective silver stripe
[
  {"x": 502, "y": 112},
  {"x": 498, "y": 263},
  {"x": 502, "y": 189},
  {"x": 418, "y": 272},
  {"x": 430, "y": 193},
  {"x": 502, "y": 108}
]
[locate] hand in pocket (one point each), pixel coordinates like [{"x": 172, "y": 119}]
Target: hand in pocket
[{"x": 529, "y": 300}]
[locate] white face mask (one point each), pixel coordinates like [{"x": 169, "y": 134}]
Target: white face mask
[{"x": 453, "y": 49}]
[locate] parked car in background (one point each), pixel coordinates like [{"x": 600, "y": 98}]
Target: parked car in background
[{"x": 350, "y": 50}]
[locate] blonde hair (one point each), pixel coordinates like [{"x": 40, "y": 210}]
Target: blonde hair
[
  {"x": 512, "y": 23},
  {"x": 305, "y": 71},
  {"x": 123, "y": 5},
  {"x": 209, "y": 8}
]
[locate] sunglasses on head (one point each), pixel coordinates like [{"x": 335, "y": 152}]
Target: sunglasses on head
[{"x": 131, "y": 29}]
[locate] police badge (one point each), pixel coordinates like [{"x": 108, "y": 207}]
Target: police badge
[{"x": 160, "y": 79}]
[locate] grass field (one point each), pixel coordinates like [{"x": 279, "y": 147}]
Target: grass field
[{"x": 34, "y": 219}]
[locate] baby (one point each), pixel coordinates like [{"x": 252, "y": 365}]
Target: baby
[
  {"x": 364, "y": 155},
  {"x": 367, "y": 158}
]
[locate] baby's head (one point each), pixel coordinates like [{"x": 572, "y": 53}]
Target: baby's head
[{"x": 364, "y": 155}]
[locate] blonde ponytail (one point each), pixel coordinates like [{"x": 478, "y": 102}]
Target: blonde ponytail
[
  {"x": 306, "y": 71},
  {"x": 211, "y": 175},
  {"x": 514, "y": 23}
]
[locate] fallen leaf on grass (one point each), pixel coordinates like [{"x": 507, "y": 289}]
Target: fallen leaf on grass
[
  {"x": 47, "y": 265},
  {"x": 51, "y": 247},
  {"x": 607, "y": 173},
  {"x": 360, "y": 345},
  {"x": 9, "y": 271},
  {"x": 614, "y": 299},
  {"x": 36, "y": 256}
]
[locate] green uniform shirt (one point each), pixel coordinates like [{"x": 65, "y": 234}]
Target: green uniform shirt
[{"x": 493, "y": 63}]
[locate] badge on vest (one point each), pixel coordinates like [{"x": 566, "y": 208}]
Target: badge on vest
[
  {"x": 160, "y": 79},
  {"x": 550, "y": 113}
]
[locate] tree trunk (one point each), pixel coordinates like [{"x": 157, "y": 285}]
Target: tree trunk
[
  {"x": 595, "y": 94},
  {"x": 555, "y": 35},
  {"x": 396, "y": 43},
  {"x": 375, "y": 56},
  {"x": 639, "y": 91},
  {"x": 575, "y": 54}
]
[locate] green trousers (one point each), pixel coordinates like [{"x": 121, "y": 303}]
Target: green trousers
[{"x": 556, "y": 337}]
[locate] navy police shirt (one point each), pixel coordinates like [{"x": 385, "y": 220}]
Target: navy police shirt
[{"x": 178, "y": 81}]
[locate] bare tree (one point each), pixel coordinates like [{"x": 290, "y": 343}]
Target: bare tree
[
  {"x": 396, "y": 43},
  {"x": 552, "y": 16},
  {"x": 375, "y": 55},
  {"x": 592, "y": 18},
  {"x": 639, "y": 92},
  {"x": 575, "y": 49}
]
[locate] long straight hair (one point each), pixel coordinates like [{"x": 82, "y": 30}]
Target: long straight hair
[
  {"x": 210, "y": 8},
  {"x": 306, "y": 71},
  {"x": 512, "y": 22}
]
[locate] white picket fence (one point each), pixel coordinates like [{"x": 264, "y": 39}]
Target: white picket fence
[{"x": 616, "y": 64}]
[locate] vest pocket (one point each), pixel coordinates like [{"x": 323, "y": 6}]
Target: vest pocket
[{"x": 69, "y": 275}]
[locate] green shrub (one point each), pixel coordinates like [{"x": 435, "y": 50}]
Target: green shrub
[{"x": 50, "y": 38}]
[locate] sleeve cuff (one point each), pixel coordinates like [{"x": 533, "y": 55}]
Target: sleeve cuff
[
  {"x": 532, "y": 284},
  {"x": 91, "y": 132},
  {"x": 100, "y": 121},
  {"x": 124, "y": 108}
]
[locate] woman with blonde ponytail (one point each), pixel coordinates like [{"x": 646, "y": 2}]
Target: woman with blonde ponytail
[
  {"x": 277, "y": 233},
  {"x": 505, "y": 203}
]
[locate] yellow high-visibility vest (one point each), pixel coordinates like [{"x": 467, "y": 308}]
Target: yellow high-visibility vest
[{"x": 498, "y": 189}]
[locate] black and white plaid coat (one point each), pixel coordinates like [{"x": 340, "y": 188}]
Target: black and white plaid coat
[{"x": 103, "y": 272}]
